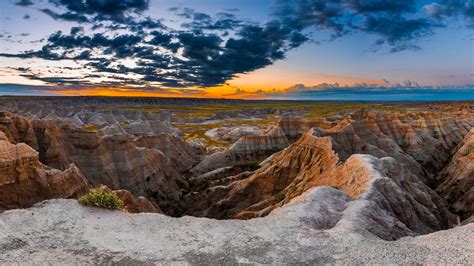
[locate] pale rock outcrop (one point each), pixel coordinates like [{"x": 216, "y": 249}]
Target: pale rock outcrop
[
  {"x": 232, "y": 132},
  {"x": 304, "y": 231}
]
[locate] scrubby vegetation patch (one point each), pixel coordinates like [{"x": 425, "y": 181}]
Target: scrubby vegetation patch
[{"x": 100, "y": 198}]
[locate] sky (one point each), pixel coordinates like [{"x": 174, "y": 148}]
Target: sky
[{"x": 256, "y": 49}]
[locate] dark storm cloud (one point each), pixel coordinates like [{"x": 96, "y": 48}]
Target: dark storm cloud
[
  {"x": 209, "y": 50},
  {"x": 103, "y": 9},
  {"x": 399, "y": 33},
  {"x": 160, "y": 38},
  {"x": 202, "y": 21},
  {"x": 75, "y": 40},
  {"x": 62, "y": 80},
  {"x": 109, "y": 14},
  {"x": 68, "y": 16},
  {"x": 24, "y": 3},
  {"x": 59, "y": 45},
  {"x": 147, "y": 23},
  {"x": 441, "y": 10},
  {"x": 26, "y": 16},
  {"x": 389, "y": 20},
  {"x": 205, "y": 57}
]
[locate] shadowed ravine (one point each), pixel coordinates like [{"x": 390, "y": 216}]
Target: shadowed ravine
[{"x": 387, "y": 174}]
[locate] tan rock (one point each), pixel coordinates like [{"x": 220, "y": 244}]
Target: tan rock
[
  {"x": 133, "y": 204},
  {"x": 24, "y": 180},
  {"x": 118, "y": 161},
  {"x": 407, "y": 150},
  {"x": 457, "y": 178}
]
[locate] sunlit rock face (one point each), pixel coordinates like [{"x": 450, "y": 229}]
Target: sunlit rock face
[
  {"x": 422, "y": 137},
  {"x": 24, "y": 180},
  {"x": 144, "y": 163},
  {"x": 384, "y": 196},
  {"x": 256, "y": 147},
  {"x": 406, "y": 153},
  {"x": 385, "y": 164}
]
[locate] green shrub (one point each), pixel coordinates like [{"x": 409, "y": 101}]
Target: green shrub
[
  {"x": 92, "y": 128},
  {"x": 252, "y": 164},
  {"x": 280, "y": 196},
  {"x": 101, "y": 198}
]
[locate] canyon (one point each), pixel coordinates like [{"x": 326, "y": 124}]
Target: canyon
[{"x": 370, "y": 181}]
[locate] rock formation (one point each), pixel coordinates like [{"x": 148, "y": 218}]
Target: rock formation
[
  {"x": 457, "y": 178},
  {"x": 232, "y": 132},
  {"x": 305, "y": 231},
  {"x": 24, "y": 180},
  {"x": 359, "y": 187},
  {"x": 384, "y": 165},
  {"x": 147, "y": 165},
  {"x": 382, "y": 188},
  {"x": 133, "y": 204},
  {"x": 181, "y": 154},
  {"x": 250, "y": 148},
  {"x": 418, "y": 144}
]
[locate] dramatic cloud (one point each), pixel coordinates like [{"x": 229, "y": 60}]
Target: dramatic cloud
[
  {"x": 24, "y": 3},
  {"x": 192, "y": 56},
  {"x": 103, "y": 9},
  {"x": 448, "y": 8},
  {"x": 391, "y": 20},
  {"x": 408, "y": 90},
  {"x": 120, "y": 46},
  {"x": 301, "y": 88},
  {"x": 68, "y": 16},
  {"x": 111, "y": 14},
  {"x": 201, "y": 21}
]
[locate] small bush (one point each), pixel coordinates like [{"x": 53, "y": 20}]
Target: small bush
[
  {"x": 252, "y": 164},
  {"x": 101, "y": 198},
  {"x": 280, "y": 196},
  {"x": 92, "y": 128}
]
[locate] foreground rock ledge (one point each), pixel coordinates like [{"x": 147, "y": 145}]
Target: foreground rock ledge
[{"x": 63, "y": 231}]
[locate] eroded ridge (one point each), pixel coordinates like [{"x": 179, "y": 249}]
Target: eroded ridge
[{"x": 392, "y": 174}]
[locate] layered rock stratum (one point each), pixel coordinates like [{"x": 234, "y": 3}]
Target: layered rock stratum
[
  {"x": 457, "y": 179},
  {"x": 359, "y": 187},
  {"x": 414, "y": 146},
  {"x": 145, "y": 162},
  {"x": 24, "y": 180}
]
